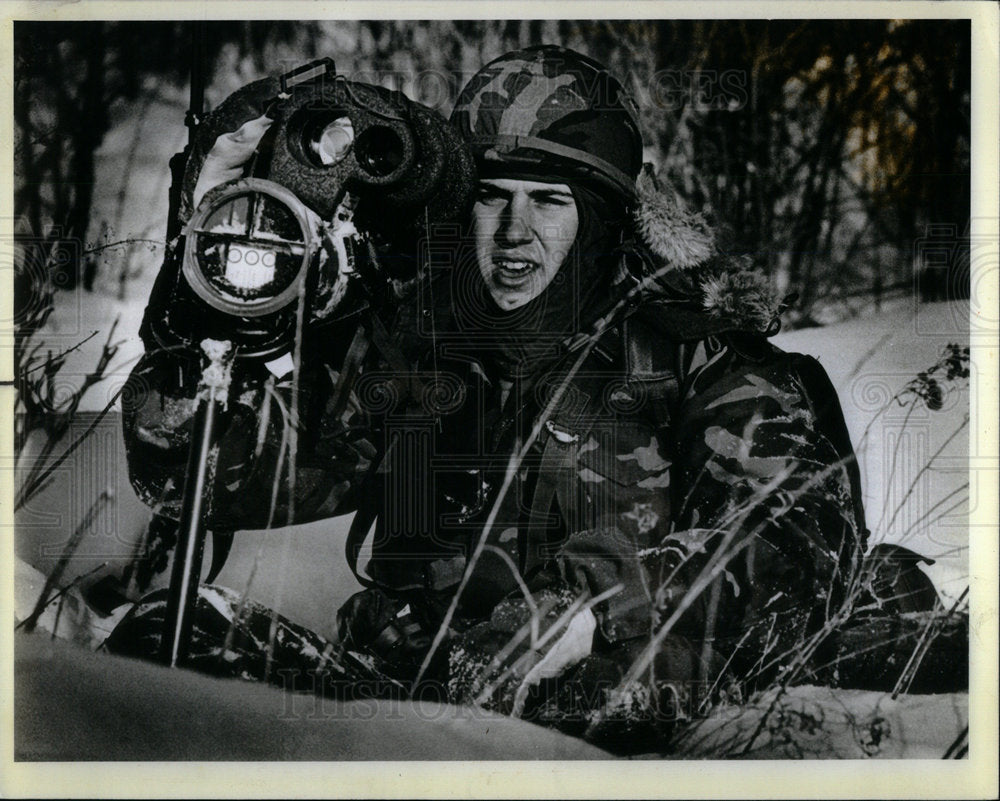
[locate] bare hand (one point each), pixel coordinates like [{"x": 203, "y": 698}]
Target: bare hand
[
  {"x": 229, "y": 155},
  {"x": 573, "y": 645}
]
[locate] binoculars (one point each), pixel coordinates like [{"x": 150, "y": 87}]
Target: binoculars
[{"x": 345, "y": 166}]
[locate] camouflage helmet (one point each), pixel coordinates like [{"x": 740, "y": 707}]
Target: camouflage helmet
[{"x": 547, "y": 112}]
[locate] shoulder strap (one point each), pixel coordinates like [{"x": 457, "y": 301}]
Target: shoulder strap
[
  {"x": 393, "y": 354},
  {"x": 369, "y": 491},
  {"x": 652, "y": 364},
  {"x": 559, "y": 456}
]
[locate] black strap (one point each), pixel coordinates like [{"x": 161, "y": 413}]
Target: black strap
[
  {"x": 437, "y": 575},
  {"x": 565, "y": 430},
  {"x": 369, "y": 492},
  {"x": 393, "y": 354},
  {"x": 349, "y": 371},
  {"x": 554, "y": 470}
]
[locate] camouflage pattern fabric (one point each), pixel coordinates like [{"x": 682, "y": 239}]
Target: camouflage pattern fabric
[
  {"x": 250, "y": 468},
  {"x": 552, "y": 104}
]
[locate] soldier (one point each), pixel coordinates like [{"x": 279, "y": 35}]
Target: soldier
[{"x": 603, "y": 496}]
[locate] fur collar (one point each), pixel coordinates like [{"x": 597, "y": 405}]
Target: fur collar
[{"x": 681, "y": 249}]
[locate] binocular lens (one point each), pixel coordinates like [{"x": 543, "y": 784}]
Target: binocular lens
[
  {"x": 255, "y": 253},
  {"x": 335, "y": 141},
  {"x": 324, "y": 138},
  {"x": 380, "y": 151},
  {"x": 247, "y": 254}
]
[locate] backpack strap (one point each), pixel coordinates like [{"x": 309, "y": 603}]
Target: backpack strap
[
  {"x": 653, "y": 364},
  {"x": 369, "y": 492}
]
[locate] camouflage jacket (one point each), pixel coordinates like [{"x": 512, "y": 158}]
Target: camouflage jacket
[{"x": 671, "y": 473}]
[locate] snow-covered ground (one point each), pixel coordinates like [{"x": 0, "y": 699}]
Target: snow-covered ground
[
  {"x": 67, "y": 710},
  {"x": 128, "y": 226}
]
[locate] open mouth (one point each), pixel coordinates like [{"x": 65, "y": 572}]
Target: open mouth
[{"x": 513, "y": 272}]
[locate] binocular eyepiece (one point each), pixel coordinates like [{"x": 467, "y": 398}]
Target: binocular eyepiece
[{"x": 331, "y": 135}]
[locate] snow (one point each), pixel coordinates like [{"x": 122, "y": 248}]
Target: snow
[
  {"x": 820, "y": 722},
  {"x": 871, "y": 359},
  {"x": 130, "y": 203},
  {"x": 67, "y": 709},
  {"x": 66, "y": 616}
]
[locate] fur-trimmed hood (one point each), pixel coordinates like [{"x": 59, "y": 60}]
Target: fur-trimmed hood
[{"x": 681, "y": 260}]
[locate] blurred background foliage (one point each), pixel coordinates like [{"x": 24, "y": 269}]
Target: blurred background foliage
[{"x": 836, "y": 152}]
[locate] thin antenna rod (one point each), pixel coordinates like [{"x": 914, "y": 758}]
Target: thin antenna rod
[{"x": 197, "y": 105}]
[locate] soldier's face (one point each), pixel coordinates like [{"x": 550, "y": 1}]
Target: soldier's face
[{"x": 523, "y": 231}]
